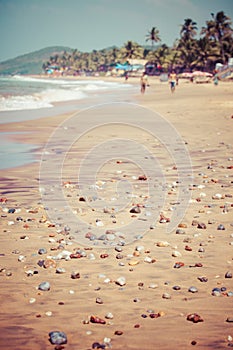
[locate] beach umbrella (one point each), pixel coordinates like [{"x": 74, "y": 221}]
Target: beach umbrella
[
  {"x": 123, "y": 66},
  {"x": 198, "y": 73},
  {"x": 186, "y": 75}
]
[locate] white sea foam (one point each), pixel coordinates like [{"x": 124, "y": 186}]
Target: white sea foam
[
  {"x": 43, "y": 99},
  {"x": 23, "y": 93},
  {"x": 56, "y": 95},
  {"x": 13, "y": 103}
]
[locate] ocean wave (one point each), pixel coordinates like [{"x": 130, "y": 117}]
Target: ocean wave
[
  {"x": 24, "y": 92},
  {"x": 43, "y": 99},
  {"x": 14, "y": 103},
  {"x": 68, "y": 82}
]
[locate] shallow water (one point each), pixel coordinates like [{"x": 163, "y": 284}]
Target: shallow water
[
  {"x": 13, "y": 153},
  {"x": 23, "y": 99},
  {"x": 19, "y": 93}
]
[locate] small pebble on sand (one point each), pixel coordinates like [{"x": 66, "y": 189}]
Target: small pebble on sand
[
  {"x": 44, "y": 286},
  {"x": 57, "y": 337}
]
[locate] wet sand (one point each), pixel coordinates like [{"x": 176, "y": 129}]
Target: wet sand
[{"x": 148, "y": 313}]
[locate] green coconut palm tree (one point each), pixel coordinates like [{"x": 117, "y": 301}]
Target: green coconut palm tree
[
  {"x": 187, "y": 52},
  {"x": 132, "y": 50},
  {"x": 113, "y": 55},
  {"x": 173, "y": 58},
  {"x": 186, "y": 45},
  {"x": 219, "y": 31},
  {"x": 206, "y": 54},
  {"x": 153, "y": 36},
  {"x": 159, "y": 56},
  {"x": 188, "y": 29}
]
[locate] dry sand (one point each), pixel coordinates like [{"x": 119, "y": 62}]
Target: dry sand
[{"x": 202, "y": 115}]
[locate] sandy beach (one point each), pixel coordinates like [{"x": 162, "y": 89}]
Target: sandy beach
[{"x": 116, "y": 277}]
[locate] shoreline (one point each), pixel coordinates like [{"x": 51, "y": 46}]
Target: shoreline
[{"x": 147, "y": 309}]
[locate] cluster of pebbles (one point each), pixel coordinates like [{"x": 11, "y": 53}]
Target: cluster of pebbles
[{"x": 54, "y": 260}]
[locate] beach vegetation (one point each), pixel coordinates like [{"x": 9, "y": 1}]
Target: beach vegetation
[
  {"x": 153, "y": 36},
  {"x": 218, "y": 32},
  {"x": 189, "y": 52},
  {"x": 195, "y": 48},
  {"x": 188, "y": 29},
  {"x": 131, "y": 50}
]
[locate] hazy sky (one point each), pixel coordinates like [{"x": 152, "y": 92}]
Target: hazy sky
[{"x": 29, "y": 25}]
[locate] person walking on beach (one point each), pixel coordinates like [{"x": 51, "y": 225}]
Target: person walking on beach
[
  {"x": 172, "y": 81},
  {"x": 144, "y": 82},
  {"x": 215, "y": 80}
]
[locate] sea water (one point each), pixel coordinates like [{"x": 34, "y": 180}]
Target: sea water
[
  {"x": 24, "y": 92},
  {"x": 12, "y": 153},
  {"x": 26, "y": 98}
]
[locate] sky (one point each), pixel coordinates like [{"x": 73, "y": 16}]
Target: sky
[{"x": 86, "y": 25}]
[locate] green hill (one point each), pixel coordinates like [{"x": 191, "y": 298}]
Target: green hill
[{"x": 31, "y": 63}]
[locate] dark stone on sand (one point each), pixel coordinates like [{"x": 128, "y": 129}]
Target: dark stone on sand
[
  {"x": 40, "y": 263},
  {"x": 104, "y": 256},
  {"x": 176, "y": 288},
  {"x": 196, "y": 265},
  {"x": 136, "y": 300},
  {"x": 99, "y": 300},
  {"x": 118, "y": 249},
  {"x": 153, "y": 315},
  {"x": 195, "y": 318},
  {"x": 66, "y": 228},
  {"x": 228, "y": 274},
  {"x": 119, "y": 256},
  {"x": 95, "y": 319},
  {"x": 142, "y": 177},
  {"x": 178, "y": 265},
  {"x": 203, "y": 279},
  {"x": 75, "y": 275},
  {"x": 118, "y": 333},
  {"x": 135, "y": 210},
  {"x": 97, "y": 345},
  {"x": 201, "y": 225},
  {"x": 57, "y": 337},
  {"x": 229, "y": 319},
  {"x": 216, "y": 292},
  {"x": 42, "y": 251},
  {"x": 11, "y": 210},
  {"x": 221, "y": 227}
]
